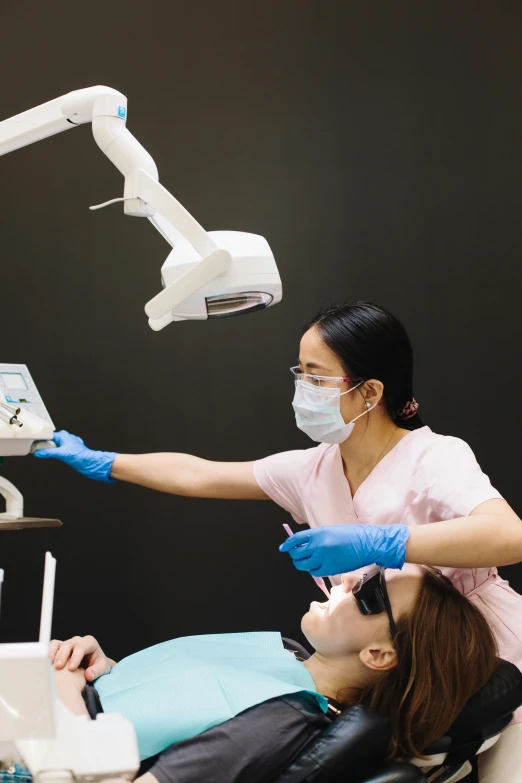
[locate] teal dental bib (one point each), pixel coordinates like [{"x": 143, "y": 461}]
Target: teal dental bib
[{"x": 178, "y": 689}]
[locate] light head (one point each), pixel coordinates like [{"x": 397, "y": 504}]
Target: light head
[{"x": 248, "y": 280}]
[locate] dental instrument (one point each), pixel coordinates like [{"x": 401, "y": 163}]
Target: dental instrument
[
  {"x": 13, "y": 408},
  {"x": 207, "y": 274},
  {"x": 25, "y": 425},
  {"x": 9, "y": 417},
  {"x": 317, "y": 579}
]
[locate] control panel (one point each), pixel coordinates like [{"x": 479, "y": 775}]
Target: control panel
[{"x": 18, "y": 388}]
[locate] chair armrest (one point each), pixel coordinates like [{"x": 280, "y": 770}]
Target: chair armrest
[{"x": 397, "y": 773}]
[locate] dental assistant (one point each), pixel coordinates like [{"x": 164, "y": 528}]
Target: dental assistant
[{"x": 379, "y": 488}]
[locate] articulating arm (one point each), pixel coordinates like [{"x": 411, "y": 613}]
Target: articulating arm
[{"x": 143, "y": 195}]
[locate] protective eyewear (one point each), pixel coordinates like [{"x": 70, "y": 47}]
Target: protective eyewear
[
  {"x": 371, "y": 596},
  {"x": 326, "y": 381}
]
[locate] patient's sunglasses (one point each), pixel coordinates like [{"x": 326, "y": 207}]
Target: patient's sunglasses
[{"x": 372, "y": 597}]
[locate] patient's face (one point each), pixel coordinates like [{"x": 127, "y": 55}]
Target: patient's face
[{"x": 336, "y": 627}]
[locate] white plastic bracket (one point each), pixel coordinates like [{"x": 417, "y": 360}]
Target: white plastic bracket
[
  {"x": 14, "y": 502},
  {"x": 149, "y": 190},
  {"x": 186, "y": 285},
  {"x": 172, "y": 220}
]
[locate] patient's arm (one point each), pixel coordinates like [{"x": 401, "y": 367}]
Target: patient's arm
[{"x": 68, "y": 687}]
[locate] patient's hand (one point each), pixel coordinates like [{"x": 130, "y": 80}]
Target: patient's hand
[
  {"x": 78, "y": 651},
  {"x": 71, "y": 680}
]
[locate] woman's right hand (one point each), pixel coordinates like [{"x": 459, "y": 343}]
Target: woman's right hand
[
  {"x": 80, "y": 651},
  {"x": 72, "y": 450}
]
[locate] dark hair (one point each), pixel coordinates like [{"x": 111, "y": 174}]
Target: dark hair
[
  {"x": 446, "y": 653},
  {"x": 371, "y": 343}
]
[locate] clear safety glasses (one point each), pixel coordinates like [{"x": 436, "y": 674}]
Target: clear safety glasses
[
  {"x": 322, "y": 381},
  {"x": 371, "y": 596}
]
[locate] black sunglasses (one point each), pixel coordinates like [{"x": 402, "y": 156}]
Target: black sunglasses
[{"x": 372, "y": 597}]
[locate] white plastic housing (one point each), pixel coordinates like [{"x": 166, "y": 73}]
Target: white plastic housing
[
  {"x": 26, "y": 684},
  {"x": 90, "y": 749},
  {"x": 26, "y": 691},
  {"x": 17, "y": 441},
  {"x": 252, "y": 269},
  {"x": 61, "y": 114}
]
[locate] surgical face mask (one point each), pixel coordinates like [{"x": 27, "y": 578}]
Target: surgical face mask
[{"x": 318, "y": 413}]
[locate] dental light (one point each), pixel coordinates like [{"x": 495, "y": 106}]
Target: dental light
[{"x": 207, "y": 274}]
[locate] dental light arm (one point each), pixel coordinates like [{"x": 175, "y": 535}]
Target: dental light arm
[{"x": 208, "y": 274}]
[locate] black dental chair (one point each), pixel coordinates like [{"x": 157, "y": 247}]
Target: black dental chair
[{"x": 353, "y": 747}]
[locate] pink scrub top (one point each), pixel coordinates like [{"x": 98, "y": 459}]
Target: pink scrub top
[{"x": 425, "y": 478}]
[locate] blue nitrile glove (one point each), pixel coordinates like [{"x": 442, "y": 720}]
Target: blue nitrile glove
[
  {"x": 72, "y": 450},
  {"x": 337, "y": 549}
]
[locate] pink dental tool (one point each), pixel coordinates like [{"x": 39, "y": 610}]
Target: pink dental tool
[{"x": 317, "y": 579}]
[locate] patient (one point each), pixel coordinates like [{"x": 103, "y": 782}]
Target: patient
[{"x": 404, "y": 643}]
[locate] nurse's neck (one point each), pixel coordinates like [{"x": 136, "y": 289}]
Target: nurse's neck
[{"x": 373, "y": 437}]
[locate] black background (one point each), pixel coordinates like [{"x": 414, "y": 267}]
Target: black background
[{"x": 378, "y": 148}]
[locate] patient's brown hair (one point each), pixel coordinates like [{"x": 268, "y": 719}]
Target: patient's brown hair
[{"x": 446, "y": 652}]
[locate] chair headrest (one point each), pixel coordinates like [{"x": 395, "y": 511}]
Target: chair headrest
[{"x": 499, "y": 697}]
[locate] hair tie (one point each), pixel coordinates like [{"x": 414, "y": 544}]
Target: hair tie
[{"x": 409, "y": 410}]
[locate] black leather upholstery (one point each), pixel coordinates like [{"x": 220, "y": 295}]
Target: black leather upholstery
[
  {"x": 485, "y": 715},
  {"x": 350, "y": 750},
  {"x": 497, "y": 699}
]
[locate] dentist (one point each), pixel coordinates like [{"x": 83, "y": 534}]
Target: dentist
[{"x": 379, "y": 488}]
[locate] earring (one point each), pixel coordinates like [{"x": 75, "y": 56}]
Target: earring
[{"x": 368, "y": 404}]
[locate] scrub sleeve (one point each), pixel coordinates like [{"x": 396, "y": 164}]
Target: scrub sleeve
[{"x": 425, "y": 478}]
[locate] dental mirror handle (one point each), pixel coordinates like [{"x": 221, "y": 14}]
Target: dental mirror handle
[{"x": 317, "y": 579}]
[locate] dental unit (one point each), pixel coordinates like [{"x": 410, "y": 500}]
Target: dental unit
[
  {"x": 25, "y": 425},
  {"x": 37, "y": 730}
]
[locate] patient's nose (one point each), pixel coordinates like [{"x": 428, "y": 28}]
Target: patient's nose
[{"x": 348, "y": 582}]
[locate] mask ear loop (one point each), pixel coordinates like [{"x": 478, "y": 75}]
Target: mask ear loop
[
  {"x": 368, "y": 406},
  {"x": 364, "y": 413},
  {"x": 352, "y": 389}
]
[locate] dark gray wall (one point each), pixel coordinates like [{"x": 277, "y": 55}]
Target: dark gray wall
[{"x": 378, "y": 148}]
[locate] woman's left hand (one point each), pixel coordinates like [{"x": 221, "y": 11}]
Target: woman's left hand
[
  {"x": 79, "y": 650},
  {"x": 337, "y": 549}
]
